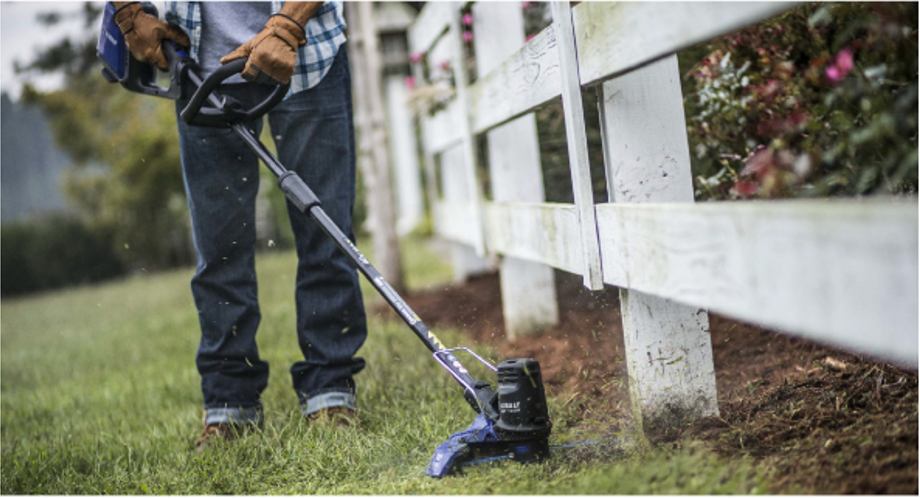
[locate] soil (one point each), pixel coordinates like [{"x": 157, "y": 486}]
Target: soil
[{"x": 821, "y": 420}]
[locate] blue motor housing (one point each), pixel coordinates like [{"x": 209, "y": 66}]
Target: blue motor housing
[
  {"x": 120, "y": 67},
  {"x": 111, "y": 47}
]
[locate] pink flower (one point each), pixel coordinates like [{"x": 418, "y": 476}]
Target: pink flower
[
  {"x": 746, "y": 188},
  {"x": 842, "y": 66},
  {"x": 845, "y": 61},
  {"x": 468, "y": 19},
  {"x": 530, "y": 37},
  {"x": 416, "y": 57},
  {"x": 524, "y": 5},
  {"x": 410, "y": 82},
  {"x": 445, "y": 65},
  {"x": 770, "y": 88},
  {"x": 467, "y": 36}
]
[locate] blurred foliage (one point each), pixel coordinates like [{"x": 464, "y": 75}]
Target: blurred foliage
[
  {"x": 820, "y": 101},
  {"x": 128, "y": 179},
  {"x": 54, "y": 252}
]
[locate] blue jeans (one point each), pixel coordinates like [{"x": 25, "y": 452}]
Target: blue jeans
[{"x": 314, "y": 136}]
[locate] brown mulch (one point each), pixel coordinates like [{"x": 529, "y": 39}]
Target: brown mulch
[{"x": 822, "y": 420}]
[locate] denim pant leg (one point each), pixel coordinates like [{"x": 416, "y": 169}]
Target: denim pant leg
[
  {"x": 314, "y": 135},
  {"x": 221, "y": 180}
]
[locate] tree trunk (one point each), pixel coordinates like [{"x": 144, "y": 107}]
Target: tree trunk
[{"x": 373, "y": 155}]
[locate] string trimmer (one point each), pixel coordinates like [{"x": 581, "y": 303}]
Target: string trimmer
[{"x": 512, "y": 419}]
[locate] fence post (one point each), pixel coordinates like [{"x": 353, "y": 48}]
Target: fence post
[
  {"x": 647, "y": 159},
  {"x": 468, "y": 140},
  {"x": 456, "y": 188},
  {"x": 404, "y": 147},
  {"x": 577, "y": 140},
  {"x": 528, "y": 289},
  {"x": 445, "y": 168}
]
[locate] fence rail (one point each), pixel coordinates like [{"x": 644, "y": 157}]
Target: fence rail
[{"x": 843, "y": 272}]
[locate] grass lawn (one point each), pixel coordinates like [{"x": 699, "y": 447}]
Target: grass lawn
[{"x": 100, "y": 395}]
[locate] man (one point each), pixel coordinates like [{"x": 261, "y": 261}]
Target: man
[{"x": 300, "y": 42}]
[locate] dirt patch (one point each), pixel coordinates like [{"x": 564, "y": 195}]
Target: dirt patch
[
  {"x": 824, "y": 421},
  {"x": 581, "y": 357}
]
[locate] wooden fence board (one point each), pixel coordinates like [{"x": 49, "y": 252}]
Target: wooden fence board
[
  {"x": 540, "y": 232},
  {"x": 839, "y": 272},
  {"x": 453, "y": 221},
  {"x": 616, "y": 37},
  {"x": 577, "y": 139},
  {"x": 430, "y": 24},
  {"x": 526, "y": 80},
  {"x": 443, "y": 130}
]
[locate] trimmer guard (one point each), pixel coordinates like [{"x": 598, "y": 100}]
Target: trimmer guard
[
  {"x": 480, "y": 443},
  {"x": 456, "y": 450}
]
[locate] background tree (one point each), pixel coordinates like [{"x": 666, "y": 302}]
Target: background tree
[{"x": 125, "y": 146}]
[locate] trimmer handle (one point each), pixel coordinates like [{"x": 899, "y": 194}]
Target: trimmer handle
[
  {"x": 119, "y": 66},
  {"x": 226, "y": 111}
]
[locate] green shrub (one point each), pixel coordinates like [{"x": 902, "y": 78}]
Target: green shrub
[
  {"x": 54, "y": 252},
  {"x": 821, "y": 101}
]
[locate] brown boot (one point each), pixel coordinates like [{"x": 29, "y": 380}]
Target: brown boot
[
  {"x": 226, "y": 431},
  {"x": 339, "y": 417}
]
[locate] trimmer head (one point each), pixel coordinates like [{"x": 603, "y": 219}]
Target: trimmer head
[{"x": 521, "y": 429}]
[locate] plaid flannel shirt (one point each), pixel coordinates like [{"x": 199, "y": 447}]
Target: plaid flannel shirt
[{"x": 325, "y": 33}]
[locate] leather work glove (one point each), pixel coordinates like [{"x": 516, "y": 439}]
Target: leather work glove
[
  {"x": 272, "y": 53},
  {"x": 144, "y": 33}
]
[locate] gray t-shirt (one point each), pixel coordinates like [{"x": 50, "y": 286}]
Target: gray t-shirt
[{"x": 224, "y": 27}]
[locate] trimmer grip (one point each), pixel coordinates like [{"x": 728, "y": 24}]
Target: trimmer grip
[
  {"x": 196, "y": 114},
  {"x": 121, "y": 67}
]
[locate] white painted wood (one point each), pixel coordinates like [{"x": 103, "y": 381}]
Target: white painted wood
[
  {"x": 431, "y": 23},
  {"x": 841, "y": 272},
  {"x": 453, "y": 221},
  {"x": 459, "y": 221},
  {"x": 646, "y": 156},
  {"x": 529, "y": 303},
  {"x": 576, "y": 137},
  {"x": 527, "y": 79},
  {"x": 468, "y": 264},
  {"x": 444, "y": 128},
  {"x": 428, "y": 159},
  {"x": 404, "y": 156},
  {"x": 453, "y": 216},
  {"x": 616, "y": 37},
  {"x": 468, "y": 141},
  {"x": 542, "y": 233},
  {"x": 528, "y": 289},
  {"x": 441, "y": 52}
]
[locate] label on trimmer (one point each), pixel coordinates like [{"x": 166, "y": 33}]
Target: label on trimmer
[
  {"x": 397, "y": 301},
  {"x": 361, "y": 257}
]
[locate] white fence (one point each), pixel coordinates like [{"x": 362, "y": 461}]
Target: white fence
[{"x": 843, "y": 272}]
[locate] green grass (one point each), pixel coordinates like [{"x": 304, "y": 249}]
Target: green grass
[{"x": 100, "y": 395}]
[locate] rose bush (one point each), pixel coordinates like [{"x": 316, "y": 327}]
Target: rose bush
[{"x": 821, "y": 101}]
